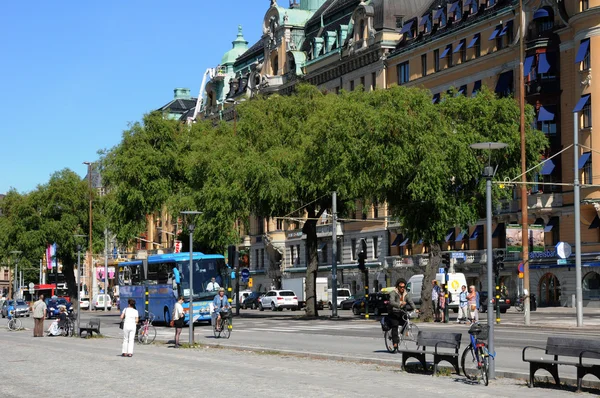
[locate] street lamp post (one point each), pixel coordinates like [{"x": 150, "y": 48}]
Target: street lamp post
[
  {"x": 78, "y": 282},
  {"x": 488, "y": 174},
  {"x": 16, "y": 253},
  {"x": 191, "y": 227},
  {"x": 90, "y": 264}
]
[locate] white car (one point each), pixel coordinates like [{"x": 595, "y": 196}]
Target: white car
[
  {"x": 277, "y": 300},
  {"x": 84, "y": 303},
  {"x": 98, "y": 302}
]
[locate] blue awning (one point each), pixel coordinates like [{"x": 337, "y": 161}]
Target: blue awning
[
  {"x": 450, "y": 235},
  {"x": 584, "y": 47},
  {"x": 506, "y": 27},
  {"x": 460, "y": 45},
  {"x": 543, "y": 64},
  {"x": 549, "y": 226},
  {"x": 424, "y": 20},
  {"x": 504, "y": 83},
  {"x": 478, "y": 231},
  {"x": 443, "y": 55},
  {"x": 499, "y": 228},
  {"x": 547, "y": 167},
  {"x": 398, "y": 239},
  {"x": 462, "y": 90},
  {"x": 581, "y": 104},
  {"x": 420, "y": 242},
  {"x": 461, "y": 236},
  {"x": 595, "y": 223},
  {"x": 406, "y": 27},
  {"x": 454, "y": 7},
  {"x": 435, "y": 99},
  {"x": 469, "y": 2},
  {"x": 438, "y": 13},
  {"x": 405, "y": 242},
  {"x": 528, "y": 65},
  {"x": 583, "y": 159},
  {"x": 473, "y": 41},
  {"x": 476, "y": 88},
  {"x": 544, "y": 115},
  {"x": 495, "y": 32},
  {"x": 541, "y": 13}
]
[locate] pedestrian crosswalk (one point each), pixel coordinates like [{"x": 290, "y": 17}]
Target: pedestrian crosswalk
[{"x": 294, "y": 327}]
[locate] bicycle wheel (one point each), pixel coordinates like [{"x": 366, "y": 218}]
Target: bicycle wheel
[
  {"x": 17, "y": 324},
  {"x": 484, "y": 368},
  {"x": 147, "y": 335},
  {"x": 468, "y": 362},
  {"x": 410, "y": 334},
  {"x": 216, "y": 330},
  {"x": 389, "y": 344},
  {"x": 227, "y": 327}
]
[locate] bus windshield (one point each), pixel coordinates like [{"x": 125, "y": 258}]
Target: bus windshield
[{"x": 204, "y": 270}]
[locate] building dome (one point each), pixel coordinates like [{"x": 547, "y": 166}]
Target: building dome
[{"x": 240, "y": 46}]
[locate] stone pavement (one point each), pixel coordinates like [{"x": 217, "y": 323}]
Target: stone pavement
[{"x": 72, "y": 367}]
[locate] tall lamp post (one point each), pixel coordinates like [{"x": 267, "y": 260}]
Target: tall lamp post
[
  {"x": 16, "y": 253},
  {"x": 191, "y": 227},
  {"x": 488, "y": 174},
  {"x": 78, "y": 282},
  {"x": 90, "y": 279}
]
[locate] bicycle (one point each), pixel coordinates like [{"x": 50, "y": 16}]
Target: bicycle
[
  {"x": 520, "y": 304},
  {"x": 147, "y": 331},
  {"x": 223, "y": 327},
  {"x": 14, "y": 323},
  {"x": 475, "y": 358},
  {"x": 409, "y": 333}
]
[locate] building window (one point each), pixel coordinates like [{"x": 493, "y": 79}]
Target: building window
[
  {"x": 351, "y": 85},
  {"x": 549, "y": 127},
  {"x": 584, "y": 5},
  {"x": 403, "y": 73},
  {"x": 463, "y": 51},
  {"x": 373, "y": 81},
  {"x": 424, "y": 65},
  {"x": 586, "y": 114},
  {"x": 555, "y": 221},
  {"x": 261, "y": 226},
  {"x": 297, "y": 254},
  {"x": 375, "y": 247},
  {"x": 449, "y": 58},
  {"x": 375, "y": 210},
  {"x": 292, "y": 258},
  {"x": 337, "y": 90},
  {"x": 6, "y": 275},
  {"x": 583, "y": 54},
  {"x": 399, "y": 22},
  {"x": 436, "y": 60},
  {"x": 508, "y": 33},
  {"x": 353, "y": 249},
  {"x": 362, "y": 82},
  {"x": 262, "y": 258},
  {"x": 257, "y": 262},
  {"x": 280, "y": 222},
  {"x": 324, "y": 250},
  {"x": 587, "y": 171}
]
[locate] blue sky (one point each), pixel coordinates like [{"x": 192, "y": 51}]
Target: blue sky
[{"x": 73, "y": 74}]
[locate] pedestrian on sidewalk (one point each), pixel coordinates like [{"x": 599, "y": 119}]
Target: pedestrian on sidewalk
[
  {"x": 463, "y": 308},
  {"x": 435, "y": 300},
  {"x": 473, "y": 304},
  {"x": 178, "y": 319},
  {"x": 39, "y": 314},
  {"x": 130, "y": 318}
]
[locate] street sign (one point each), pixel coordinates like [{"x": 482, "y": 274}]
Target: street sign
[
  {"x": 521, "y": 268},
  {"x": 245, "y": 274},
  {"x": 459, "y": 255},
  {"x": 563, "y": 250},
  {"x": 31, "y": 286},
  {"x": 561, "y": 261},
  {"x": 177, "y": 248},
  {"x": 249, "y": 282},
  {"x": 521, "y": 275}
]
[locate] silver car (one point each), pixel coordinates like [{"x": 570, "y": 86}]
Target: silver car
[{"x": 22, "y": 308}]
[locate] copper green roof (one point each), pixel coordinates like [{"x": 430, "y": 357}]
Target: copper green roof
[{"x": 240, "y": 45}]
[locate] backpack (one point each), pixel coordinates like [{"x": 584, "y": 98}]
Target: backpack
[{"x": 384, "y": 324}]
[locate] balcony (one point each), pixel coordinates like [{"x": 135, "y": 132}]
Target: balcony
[
  {"x": 271, "y": 83},
  {"x": 544, "y": 200},
  {"x": 473, "y": 259},
  {"x": 542, "y": 85}
]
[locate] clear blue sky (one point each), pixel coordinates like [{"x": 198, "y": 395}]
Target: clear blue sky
[{"x": 74, "y": 73}]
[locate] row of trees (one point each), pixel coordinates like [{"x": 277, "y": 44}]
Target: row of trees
[{"x": 291, "y": 152}]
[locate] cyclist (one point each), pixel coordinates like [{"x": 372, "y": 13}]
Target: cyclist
[
  {"x": 221, "y": 304},
  {"x": 400, "y": 305}
]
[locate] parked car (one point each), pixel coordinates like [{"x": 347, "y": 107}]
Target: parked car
[
  {"x": 67, "y": 304},
  {"x": 252, "y": 300},
  {"x": 378, "y": 304},
  {"x": 347, "y": 303},
  {"x": 278, "y": 300},
  {"x": 21, "y": 310},
  {"x": 98, "y": 302},
  {"x": 505, "y": 303},
  {"x": 84, "y": 303}
]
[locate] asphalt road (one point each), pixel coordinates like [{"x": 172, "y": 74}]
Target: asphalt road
[{"x": 73, "y": 367}]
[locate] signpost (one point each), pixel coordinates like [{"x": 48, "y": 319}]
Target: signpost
[{"x": 245, "y": 275}]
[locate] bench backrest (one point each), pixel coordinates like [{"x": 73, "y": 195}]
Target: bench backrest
[
  {"x": 445, "y": 340},
  {"x": 572, "y": 347},
  {"x": 95, "y": 322}
]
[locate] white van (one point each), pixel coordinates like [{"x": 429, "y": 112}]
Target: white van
[
  {"x": 455, "y": 282},
  {"x": 98, "y": 302},
  {"x": 342, "y": 294}
]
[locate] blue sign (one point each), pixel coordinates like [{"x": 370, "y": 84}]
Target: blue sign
[
  {"x": 459, "y": 255},
  {"x": 245, "y": 273}
]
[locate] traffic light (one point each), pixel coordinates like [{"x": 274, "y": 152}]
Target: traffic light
[
  {"x": 446, "y": 261},
  {"x": 362, "y": 255}
]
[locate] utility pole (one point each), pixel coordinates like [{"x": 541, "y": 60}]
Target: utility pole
[
  {"x": 105, "y": 267},
  {"x": 90, "y": 276},
  {"x": 334, "y": 284}
]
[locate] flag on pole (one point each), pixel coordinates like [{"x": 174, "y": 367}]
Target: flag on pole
[{"x": 49, "y": 256}]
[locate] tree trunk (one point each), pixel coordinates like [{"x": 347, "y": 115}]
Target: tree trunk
[
  {"x": 68, "y": 271},
  {"x": 430, "y": 274},
  {"x": 312, "y": 264}
]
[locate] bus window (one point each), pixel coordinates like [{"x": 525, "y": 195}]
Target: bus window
[
  {"x": 158, "y": 274},
  {"x": 130, "y": 276}
]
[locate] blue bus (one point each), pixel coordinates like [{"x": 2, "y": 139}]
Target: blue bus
[{"x": 166, "y": 276}]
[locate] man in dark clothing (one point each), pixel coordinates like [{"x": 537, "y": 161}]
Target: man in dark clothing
[{"x": 400, "y": 304}]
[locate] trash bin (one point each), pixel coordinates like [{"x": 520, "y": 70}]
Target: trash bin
[{"x": 533, "y": 303}]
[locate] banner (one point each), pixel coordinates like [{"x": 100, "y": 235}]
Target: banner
[
  {"x": 177, "y": 248},
  {"x": 514, "y": 241},
  {"x": 51, "y": 259}
]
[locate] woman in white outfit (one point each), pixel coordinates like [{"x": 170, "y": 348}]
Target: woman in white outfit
[{"x": 130, "y": 317}]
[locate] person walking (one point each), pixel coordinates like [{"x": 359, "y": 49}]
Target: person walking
[
  {"x": 463, "y": 306},
  {"x": 435, "y": 300},
  {"x": 39, "y": 314},
  {"x": 178, "y": 319},
  {"x": 212, "y": 286},
  {"x": 473, "y": 304},
  {"x": 130, "y": 318},
  {"x": 442, "y": 306}
]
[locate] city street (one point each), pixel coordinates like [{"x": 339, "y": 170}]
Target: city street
[
  {"x": 349, "y": 339},
  {"x": 72, "y": 367}
]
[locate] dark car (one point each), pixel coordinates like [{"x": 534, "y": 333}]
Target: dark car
[
  {"x": 53, "y": 305},
  {"x": 378, "y": 304},
  {"x": 505, "y": 303},
  {"x": 252, "y": 300},
  {"x": 347, "y": 304}
]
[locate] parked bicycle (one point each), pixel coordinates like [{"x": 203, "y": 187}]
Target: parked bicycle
[
  {"x": 408, "y": 333},
  {"x": 475, "y": 359},
  {"x": 223, "y": 327},
  {"x": 14, "y": 323},
  {"x": 520, "y": 304},
  {"x": 147, "y": 331}
]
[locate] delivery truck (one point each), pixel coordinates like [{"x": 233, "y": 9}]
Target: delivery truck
[{"x": 298, "y": 285}]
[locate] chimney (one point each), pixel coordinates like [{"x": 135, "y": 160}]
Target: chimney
[{"x": 182, "y": 93}]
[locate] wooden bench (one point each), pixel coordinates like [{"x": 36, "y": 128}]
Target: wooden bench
[
  {"x": 436, "y": 340},
  {"x": 89, "y": 328},
  {"x": 573, "y": 351}
]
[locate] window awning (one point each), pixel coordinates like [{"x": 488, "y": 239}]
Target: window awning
[
  {"x": 504, "y": 83},
  {"x": 460, "y": 45},
  {"x": 462, "y": 90},
  {"x": 541, "y": 13},
  {"x": 450, "y": 235},
  {"x": 469, "y": 2},
  {"x": 583, "y": 159},
  {"x": 435, "y": 99},
  {"x": 499, "y": 228},
  {"x": 543, "y": 64},
  {"x": 506, "y": 27},
  {"x": 405, "y": 242},
  {"x": 595, "y": 223},
  {"x": 581, "y": 104},
  {"x": 545, "y": 115},
  {"x": 424, "y": 20},
  {"x": 443, "y": 55},
  {"x": 478, "y": 231},
  {"x": 473, "y": 41},
  {"x": 397, "y": 241},
  {"x": 461, "y": 236},
  {"x": 549, "y": 226},
  {"x": 406, "y": 27},
  {"x": 495, "y": 32},
  {"x": 438, "y": 13},
  {"x": 584, "y": 47},
  {"x": 528, "y": 65},
  {"x": 547, "y": 167},
  {"x": 476, "y": 87}
]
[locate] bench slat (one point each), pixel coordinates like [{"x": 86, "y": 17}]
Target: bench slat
[{"x": 571, "y": 347}]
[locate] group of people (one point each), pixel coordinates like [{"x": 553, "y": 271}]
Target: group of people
[{"x": 468, "y": 310}]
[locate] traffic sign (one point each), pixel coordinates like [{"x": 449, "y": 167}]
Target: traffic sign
[
  {"x": 561, "y": 261},
  {"x": 521, "y": 268},
  {"x": 459, "y": 255},
  {"x": 245, "y": 274},
  {"x": 249, "y": 282},
  {"x": 521, "y": 275},
  {"x": 31, "y": 286}
]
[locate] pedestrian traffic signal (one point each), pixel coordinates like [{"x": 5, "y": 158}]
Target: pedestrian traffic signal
[{"x": 446, "y": 261}]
